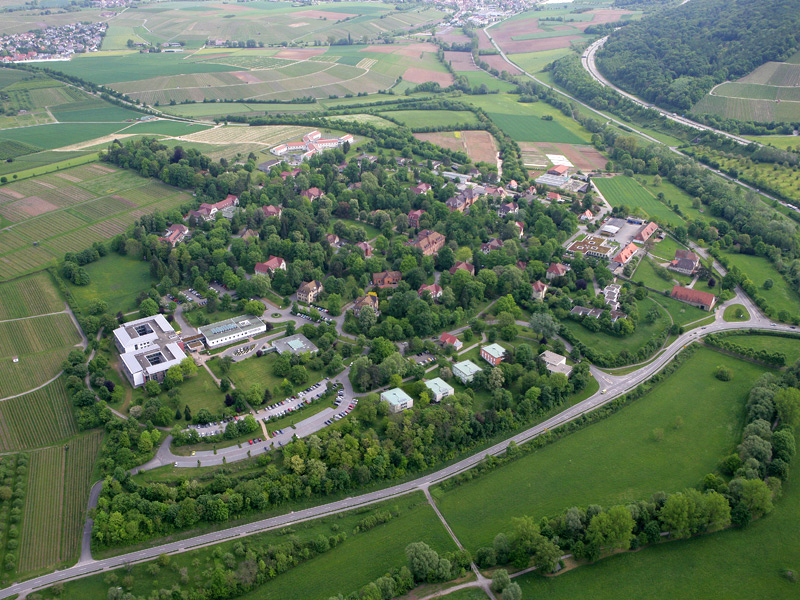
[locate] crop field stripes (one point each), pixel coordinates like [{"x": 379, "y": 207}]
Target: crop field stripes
[
  {"x": 80, "y": 460},
  {"x": 37, "y": 418},
  {"x": 32, "y": 295},
  {"x": 40, "y": 545}
]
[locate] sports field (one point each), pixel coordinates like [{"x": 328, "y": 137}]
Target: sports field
[
  {"x": 68, "y": 210},
  {"x": 586, "y": 468},
  {"x": 624, "y": 191}
]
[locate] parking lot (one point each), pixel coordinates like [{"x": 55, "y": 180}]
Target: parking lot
[
  {"x": 293, "y": 403},
  {"x": 423, "y": 358}
]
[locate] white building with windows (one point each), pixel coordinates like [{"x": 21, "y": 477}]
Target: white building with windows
[
  {"x": 465, "y": 370},
  {"x": 148, "y": 347},
  {"x": 439, "y": 388},
  {"x": 227, "y": 332},
  {"x": 398, "y": 400}
]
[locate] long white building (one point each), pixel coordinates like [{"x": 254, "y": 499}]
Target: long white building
[
  {"x": 148, "y": 347},
  {"x": 312, "y": 143}
]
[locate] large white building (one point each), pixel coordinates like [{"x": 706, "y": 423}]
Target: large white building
[
  {"x": 237, "y": 328},
  {"x": 148, "y": 347},
  {"x": 312, "y": 143},
  {"x": 398, "y": 400}
]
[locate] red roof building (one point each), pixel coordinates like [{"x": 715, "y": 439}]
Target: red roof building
[
  {"x": 556, "y": 270},
  {"x": 539, "y": 290},
  {"x": 704, "y": 300},
  {"x": 413, "y": 218},
  {"x": 434, "y": 289},
  {"x": 175, "y": 234},
  {"x": 559, "y": 170},
  {"x": 430, "y": 242},
  {"x": 272, "y": 211},
  {"x": 269, "y": 267},
  {"x": 312, "y": 194},
  {"x": 422, "y": 188},
  {"x": 645, "y": 232},
  {"x": 387, "y": 278},
  {"x": 366, "y": 247},
  {"x": 462, "y": 266},
  {"x": 626, "y": 254},
  {"x": 554, "y": 196},
  {"x": 449, "y": 339}
]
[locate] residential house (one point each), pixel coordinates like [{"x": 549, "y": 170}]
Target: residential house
[
  {"x": 586, "y": 215},
  {"x": 521, "y": 226},
  {"x": 493, "y": 354},
  {"x": 398, "y": 400},
  {"x": 558, "y": 170},
  {"x": 685, "y": 262},
  {"x": 413, "y": 217},
  {"x": 556, "y": 270},
  {"x": 465, "y": 371},
  {"x": 270, "y": 266},
  {"x": 434, "y": 289},
  {"x": 175, "y": 234},
  {"x": 554, "y": 197},
  {"x": 366, "y": 247},
  {"x": 439, "y": 389},
  {"x": 539, "y": 290},
  {"x": 512, "y": 208},
  {"x": 555, "y": 363},
  {"x": 272, "y": 211},
  {"x": 430, "y": 242},
  {"x": 313, "y": 193},
  {"x": 462, "y": 266},
  {"x": 332, "y": 239},
  {"x": 449, "y": 339},
  {"x": 370, "y": 300},
  {"x": 422, "y": 188},
  {"x": 308, "y": 291},
  {"x": 492, "y": 244},
  {"x": 513, "y": 185},
  {"x": 387, "y": 278},
  {"x": 704, "y": 300}
]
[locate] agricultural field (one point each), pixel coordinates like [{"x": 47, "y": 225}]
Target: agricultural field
[
  {"x": 625, "y": 191},
  {"x": 39, "y": 345},
  {"x": 480, "y": 78},
  {"x": 583, "y": 158},
  {"x": 675, "y": 196},
  {"x": 362, "y": 558},
  {"x": 433, "y": 118},
  {"x": 58, "y": 490},
  {"x": 37, "y": 419},
  {"x": 13, "y": 472},
  {"x": 69, "y": 210},
  {"x": 758, "y": 269},
  {"x": 528, "y": 128},
  {"x": 33, "y": 295},
  {"x": 583, "y": 468},
  {"x": 213, "y": 109},
  {"x": 480, "y": 146},
  {"x": 758, "y": 554}
]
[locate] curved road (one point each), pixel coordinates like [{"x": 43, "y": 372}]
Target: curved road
[{"x": 614, "y": 387}]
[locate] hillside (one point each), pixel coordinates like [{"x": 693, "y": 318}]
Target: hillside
[{"x": 674, "y": 57}]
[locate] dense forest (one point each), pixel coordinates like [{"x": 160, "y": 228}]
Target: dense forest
[{"x": 673, "y": 58}]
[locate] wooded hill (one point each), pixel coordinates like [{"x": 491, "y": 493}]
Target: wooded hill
[{"x": 674, "y": 57}]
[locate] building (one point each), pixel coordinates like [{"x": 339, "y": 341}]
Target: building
[
  {"x": 398, "y": 400},
  {"x": 586, "y": 215},
  {"x": 492, "y": 244},
  {"x": 555, "y": 363},
  {"x": 521, "y": 226},
  {"x": 370, "y": 300},
  {"x": 685, "y": 262},
  {"x": 208, "y": 212},
  {"x": 462, "y": 266},
  {"x": 422, "y": 188},
  {"x": 512, "y": 208},
  {"x": 439, "y": 388},
  {"x": 539, "y": 290},
  {"x": 312, "y": 193},
  {"x": 555, "y": 181},
  {"x": 175, "y": 234},
  {"x": 449, "y": 339},
  {"x": 413, "y": 217},
  {"x": 366, "y": 247},
  {"x": 493, "y": 354},
  {"x": 704, "y": 300},
  {"x": 272, "y": 211},
  {"x": 465, "y": 371},
  {"x": 626, "y": 254},
  {"x": 386, "y": 278},
  {"x": 273, "y": 264},
  {"x": 591, "y": 246},
  {"x": 309, "y": 290},
  {"x": 556, "y": 270},
  {"x": 332, "y": 239},
  {"x": 230, "y": 330},
  {"x": 554, "y": 197},
  {"x": 434, "y": 289},
  {"x": 645, "y": 232},
  {"x": 559, "y": 170},
  {"x": 429, "y": 242},
  {"x": 296, "y": 344},
  {"x": 596, "y": 313},
  {"x": 148, "y": 347},
  {"x": 312, "y": 143}
]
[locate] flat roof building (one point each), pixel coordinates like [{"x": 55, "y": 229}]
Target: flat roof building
[
  {"x": 465, "y": 370},
  {"x": 591, "y": 246},
  {"x": 439, "y": 388},
  {"x": 493, "y": 354},
  {"x": 148, "y": 347},
  {"x": 296, "y": 344},
  {"x": 398, "y": 400},
  {"x": 230, "y": 330},
  {"x": 555, "y": 363}
]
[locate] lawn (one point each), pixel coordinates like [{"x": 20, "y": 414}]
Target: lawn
[
  {"x": 372, "y": 232},
  {"x": 615, "y": 460},
  {"x": 677, "y": 197},
  {"x": 646, "y": 274},
  {"x": 116, "y": 280},
  {"x": 479, "y": 78},
  {"x": 625, "y": 191},
  {"x": 362, "y": 558},
  {"x": 789, "y": 346},
  {"x": 533, "y": 62},
  {"x": 197, "y": 392},
  {"x": 758, "y": 269},
  {"x": 666, "y": 248},
  {"x": 733, "y": 311},
  {"x": 681, "y": 312},
  {"x": 695, "y": 568},
  {"x": 433, "y": 118}
]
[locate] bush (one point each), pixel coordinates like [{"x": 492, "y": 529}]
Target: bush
[{"x": 723, "y": 373}]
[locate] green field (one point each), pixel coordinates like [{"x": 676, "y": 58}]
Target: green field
[
  {"x": 646, "y": 274},
  {"x": 772, "y": 343},
  {"x": 57, "y": 135},
  {"x": 363, "y": 557},
  {"x": 691, "y": 568},
  {"x": 681, "y": 312},
  {"x": 621, "y": 190},
  {"x": 528, "y": 128},
  {"x": 731, "y": 312},
  {"x": 37, "y": 419},
  {"x": 533, "y": 62},
  {"x": 197, "y": 392},
  {"x": 675, "y": 196},
  {"x": 210, "y": 109},
  {"x": 758, "y": 270},
  {"x": 116, "y": 280},
  {"x": 433, "y": 118},
  {"x": 479, "y": 78},
  {"x": 665, "y": 249},
  {"x": 584, "y": 468},
  {"x": 32, "y": 295}
]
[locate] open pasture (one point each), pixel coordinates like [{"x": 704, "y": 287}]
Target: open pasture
[
  {"x": 37, "y": 419},
  {"x": 621, "y": 190},
  {"x": 67, "y": 211},
  {"x": 116, "y": 280},
  {"x": 587, "y": 468},
  {"x": 480, "y": 146}
]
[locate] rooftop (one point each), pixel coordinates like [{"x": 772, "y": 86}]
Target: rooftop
[
  {"x": 467, "y": 367},
  {"x": 439, "y": 386},
  {"x": 221, "y": 329},
  {"x": 396, "y": 397},
  {"x": 296, "y": 344},
  {"x": 494, "y": 350}
]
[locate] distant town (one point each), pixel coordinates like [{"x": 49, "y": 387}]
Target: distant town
[{"x": 52, "y": 43}]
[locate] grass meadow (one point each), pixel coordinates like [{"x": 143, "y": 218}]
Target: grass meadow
[
  {"x": 433, "y": 118},
  {"x": 621, "y": 190},
  {"x": 617, "y": 459},
  {"x": 758, "y": 269},
  {"x": 116, "y": 280},
  {"x": 788, "y": 346}
]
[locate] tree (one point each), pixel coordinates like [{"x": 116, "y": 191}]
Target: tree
[
  {"x": 335, "y": 304},
  {"x": 500, "y": 580},
  {"x": 187, "y": 413},
  {"x": 787, "y": 402},
  {"x": 544, "y": 324},
  {"x": 611, "y": 529},
  {"x": 674, "y": 515},
  {"x": 188, "y": 367},
  {"x": 254, "y": 307},
  {"x": 148, "y": 308},
  {"x": 145, "y": 443},
  {"x": 424, "y": 562},
  {"x": 512, "y": 592},
  {"x": 723, "y": 373},
  {"x": 152, "y": 388},
  {"x": 173, "y": 377},
  {"x": 298, "y": 375}
]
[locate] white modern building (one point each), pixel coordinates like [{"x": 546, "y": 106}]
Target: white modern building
[
  {"x": 312, "y": 143},
  {"x": 465, "y": 370},
  {"x": 148, "y": 347},
  {"x": 439, "y": 388},
  {"x": 555, "y": 363},
  {"x": 237, "y": 328},
  {"x": 398, "y": 400}
]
